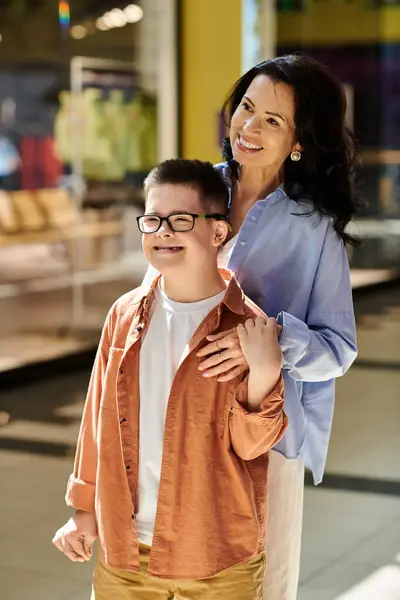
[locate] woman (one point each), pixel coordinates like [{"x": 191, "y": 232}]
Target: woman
[{"x": 289, "y": 164}]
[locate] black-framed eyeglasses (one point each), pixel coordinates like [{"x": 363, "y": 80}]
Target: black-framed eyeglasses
[{"x": 177, "y": 222}]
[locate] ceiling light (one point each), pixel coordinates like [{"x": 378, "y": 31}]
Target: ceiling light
[
  {"x": 107, "y": 19},
  {"x": 78, "y": 32},
  {"x": 101, "y": 24},
  {"x": 133, "y": 13},
  {"x": 117, "y": 17}
]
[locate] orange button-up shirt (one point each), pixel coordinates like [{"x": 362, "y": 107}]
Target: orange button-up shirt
[{"x": 212, "y": 494}]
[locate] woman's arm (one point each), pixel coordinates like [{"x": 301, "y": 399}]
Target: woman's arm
[
  {"x": 321, "y": 348},
  {"x": 325, "y": 346}
]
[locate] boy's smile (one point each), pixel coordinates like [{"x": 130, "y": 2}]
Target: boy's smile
[{"x": 167, "y": 249}]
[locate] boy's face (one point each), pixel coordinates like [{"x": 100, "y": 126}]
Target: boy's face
[{"x": 169, "y": 250}]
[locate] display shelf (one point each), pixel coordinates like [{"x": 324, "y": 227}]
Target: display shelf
[
  {"x": 132, "y": 265},
  {"x": 20, "y": 350},
  {"x": 60, "y": 235}
]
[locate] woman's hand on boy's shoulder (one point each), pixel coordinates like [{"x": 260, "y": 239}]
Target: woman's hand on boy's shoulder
[
  {"x": 75, "y": 539},
  {"x": 224, "y": 357}
]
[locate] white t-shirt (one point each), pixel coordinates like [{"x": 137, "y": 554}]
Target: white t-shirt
[{"x": 171, "y": 328}]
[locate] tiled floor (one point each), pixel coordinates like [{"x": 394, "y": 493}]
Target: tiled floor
[{"x": 351, "y": 539}]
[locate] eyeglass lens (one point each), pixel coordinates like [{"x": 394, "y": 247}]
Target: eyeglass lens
[{"x": 181, "y": 222}]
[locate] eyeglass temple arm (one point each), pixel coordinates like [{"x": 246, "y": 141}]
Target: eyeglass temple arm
[{"x": 218, "y": 218}]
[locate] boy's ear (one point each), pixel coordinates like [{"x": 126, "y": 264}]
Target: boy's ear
[{"x": 220, "y": 232}]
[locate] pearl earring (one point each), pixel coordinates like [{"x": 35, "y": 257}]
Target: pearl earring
[{"x": 295, "y": 156}]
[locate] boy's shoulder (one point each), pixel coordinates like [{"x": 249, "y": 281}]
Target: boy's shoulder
[
  {"x": 132, "y": 297},
  {"x": 123, "y": 313},
  {"x": 129, "y": 302},
  {"x": 237, "y": 300}
]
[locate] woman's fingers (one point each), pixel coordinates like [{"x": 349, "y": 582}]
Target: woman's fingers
[
  {"x": 219, "y": 341},
  {"x": 219, "y": 336},
  {"x": 210, "y": 349},
  {"x": 224, "y": 367},
  {"x": 224, "y": 343},
  {"x": 219, "y": 357},
  {"x": 232, "y": 374}
]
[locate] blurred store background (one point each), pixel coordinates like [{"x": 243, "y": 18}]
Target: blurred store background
[
  {"x": 92, "y": 94},
  {"x": 88, "y": 103}
]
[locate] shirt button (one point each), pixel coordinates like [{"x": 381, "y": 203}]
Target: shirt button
[
  {"x": 254, "y": 218},
  {"x": 243, "y": 243}
]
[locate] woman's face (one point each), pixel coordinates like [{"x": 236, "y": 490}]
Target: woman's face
[{"x": 262, "y": 131}]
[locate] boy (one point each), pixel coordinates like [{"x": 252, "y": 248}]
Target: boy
[{"x": 174, "y": 485}]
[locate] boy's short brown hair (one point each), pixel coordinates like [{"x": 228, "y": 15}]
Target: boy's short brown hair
[{"x": 196, "y": 174}]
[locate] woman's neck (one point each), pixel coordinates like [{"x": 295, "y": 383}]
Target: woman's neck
[
  {"x": 256, "y": 183},
  {"x": 253, "y": 185}
]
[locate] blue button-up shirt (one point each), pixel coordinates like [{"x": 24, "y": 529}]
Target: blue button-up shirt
[{"x": 295, "y": 268}]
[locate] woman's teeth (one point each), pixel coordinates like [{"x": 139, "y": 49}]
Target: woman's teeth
[{"x": 247, "y": 145}]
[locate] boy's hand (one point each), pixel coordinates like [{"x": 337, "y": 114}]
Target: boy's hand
[
  {"x": 75, "y": 539},
  {"x": 260, "y": 346}
]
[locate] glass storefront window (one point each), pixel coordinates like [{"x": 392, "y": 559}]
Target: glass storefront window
[{"x": 87, "y": 108}]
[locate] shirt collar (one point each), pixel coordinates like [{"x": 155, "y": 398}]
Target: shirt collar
[{"x": 273, "y": 197}]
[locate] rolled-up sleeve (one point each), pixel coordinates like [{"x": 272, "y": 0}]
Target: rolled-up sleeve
[
  {"x": 254, "y": 433},
  {"x": 81, "y": 486},
  {"x": 323, "y": 347}
]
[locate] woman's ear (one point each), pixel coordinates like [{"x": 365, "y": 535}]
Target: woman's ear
[
  {"x": 297, "y": 148},
  {"x": 220, "y": 232}
]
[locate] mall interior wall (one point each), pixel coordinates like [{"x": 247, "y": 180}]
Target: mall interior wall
[{"x": 210, "y": 57}]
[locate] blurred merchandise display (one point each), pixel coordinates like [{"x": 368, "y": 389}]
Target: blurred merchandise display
[
  {"x": 9, "y": 157},
  {"x": 80, "y": 128},
  {"x": 117, "y": 123}
]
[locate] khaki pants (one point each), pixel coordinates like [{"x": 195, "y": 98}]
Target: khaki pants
[
  {"x": 285, "y": 517},
  {"x": 242, "y": 582}
]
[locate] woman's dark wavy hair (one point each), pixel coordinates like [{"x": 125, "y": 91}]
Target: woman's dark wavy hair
[{"x": 325, "y": 174}]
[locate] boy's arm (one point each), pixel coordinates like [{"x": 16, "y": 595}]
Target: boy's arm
[
  {"x": 81, "y": 485},
  {"x": 257, "y": 421}
]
